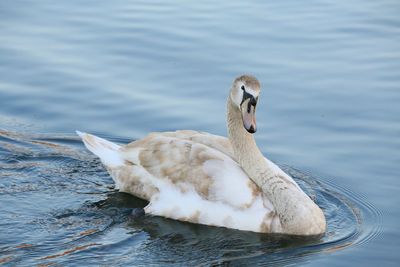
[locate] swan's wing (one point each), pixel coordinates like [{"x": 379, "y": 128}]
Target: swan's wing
[
  {"x": 186, "y": 163},
  {"x": 189, "y": 181}
]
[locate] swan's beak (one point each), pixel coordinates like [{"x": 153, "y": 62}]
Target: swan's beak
[{"x": 248, "y": 108}]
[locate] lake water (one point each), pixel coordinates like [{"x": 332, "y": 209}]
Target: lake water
[{"x": 329, "y": 115}]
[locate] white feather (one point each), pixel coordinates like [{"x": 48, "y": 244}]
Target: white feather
[{"x": 107, "y": 151}]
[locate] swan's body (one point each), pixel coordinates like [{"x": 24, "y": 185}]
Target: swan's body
[{"x": 208, "y": 179}]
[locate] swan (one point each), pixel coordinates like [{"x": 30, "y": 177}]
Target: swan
[{"x": 207, "y": 179}]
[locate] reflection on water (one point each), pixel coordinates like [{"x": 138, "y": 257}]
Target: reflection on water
[{"x": 63, "y": 209}]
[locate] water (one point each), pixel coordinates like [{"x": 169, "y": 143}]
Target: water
[{"x": 328, "y": 114}]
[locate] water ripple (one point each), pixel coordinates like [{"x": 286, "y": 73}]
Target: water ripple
[{"x": 330, "y": 77}]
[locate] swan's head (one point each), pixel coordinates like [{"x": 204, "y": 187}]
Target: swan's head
[{"x": 244, "y": 94}]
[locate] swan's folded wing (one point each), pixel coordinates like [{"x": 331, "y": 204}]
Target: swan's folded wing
[
  {"x": 186, "y": 163},
  {"x": 193, "y": 182}
]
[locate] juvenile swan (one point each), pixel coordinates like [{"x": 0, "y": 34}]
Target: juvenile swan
[{"x": 207, "y": 179}]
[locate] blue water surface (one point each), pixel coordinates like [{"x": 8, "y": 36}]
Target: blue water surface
[{"x": 329, "y": 114}]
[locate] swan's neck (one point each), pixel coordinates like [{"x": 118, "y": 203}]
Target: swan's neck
[
  {"x": 298, "y": 214},
  {"x": 244, "y": 146}
]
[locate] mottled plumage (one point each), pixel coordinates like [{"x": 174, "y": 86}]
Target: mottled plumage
[
  {"x": 188, "y": 176},
  {"x": 207, "y": 179}
]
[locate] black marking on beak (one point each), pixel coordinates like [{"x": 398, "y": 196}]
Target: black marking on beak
[{"x": 252, "y": 102}]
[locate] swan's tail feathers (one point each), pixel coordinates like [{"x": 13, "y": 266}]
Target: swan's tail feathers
[{"x": 107, "y": 151}]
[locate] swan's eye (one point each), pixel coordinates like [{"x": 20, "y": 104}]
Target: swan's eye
[{"x": 243, "y": 88}]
